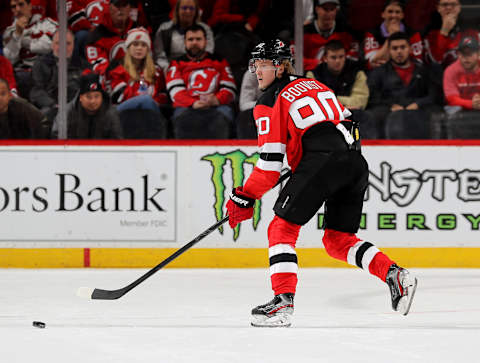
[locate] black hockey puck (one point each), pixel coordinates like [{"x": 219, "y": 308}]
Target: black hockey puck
[{"x": 38, "y": 324}]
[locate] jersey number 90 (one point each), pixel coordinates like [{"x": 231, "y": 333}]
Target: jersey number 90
[{"x": 324, "y": 108}]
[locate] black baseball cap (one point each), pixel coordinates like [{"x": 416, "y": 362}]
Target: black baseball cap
[
  {"x": 90, "y": 82},
  {"x": 468, "y": 42}
]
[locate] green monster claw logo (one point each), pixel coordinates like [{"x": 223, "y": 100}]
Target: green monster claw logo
[{"x": 237, "y": 160}]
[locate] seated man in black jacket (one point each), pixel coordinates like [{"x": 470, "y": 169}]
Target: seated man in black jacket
[
  {"x": 90, "y": 115},
  {"x": 18, "y": 118},
  {"x": 349, "y": 83},
  {"x": 44, "y": 93},
  {"x": 402, "y": 94}
]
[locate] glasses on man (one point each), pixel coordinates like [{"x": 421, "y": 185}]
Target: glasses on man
[{"x": 187, "y": 8}]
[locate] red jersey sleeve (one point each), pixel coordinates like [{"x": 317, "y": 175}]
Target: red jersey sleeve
[
  {"x": 272, "y": 139},
  {"x": 77, "y": 17},
  {"x": 227, "y": 88},
  {"x": 437, "y": 45},
  {"x": 6, "y": 72},
  {"x": 118, "y": 78},
  {"x": 97, "y": 56},
  {"x": 176, "y": 87},
  {"x": 370, "y": 47},
  {"x": 160, "y": 93}
]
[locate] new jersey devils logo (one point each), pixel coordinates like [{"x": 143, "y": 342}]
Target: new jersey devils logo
[{"x": 203, "y": 81}]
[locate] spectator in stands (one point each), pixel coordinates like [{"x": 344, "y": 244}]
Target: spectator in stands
[
  {"x": 445, "y": 32},
  {"x": 349, "y": 83},
  {"x": 80, "y": 23},
  {"x": 236, "y": 22},
  {"x": 44, "y": 92},
  {"x": 138, "y": 87},
  {"x": 170, "y": 37},
  {"x": 18, "y": 118},
  {"x": 401, "y": 93},
  {"x": 461, "y": 85},
  {"x": 249, "y": 94},
  {"x": 90, "y": 115},
  {"x": 326, "y": 26},
  {"x": 107, "y": 41},
  {"x": 202, "y": 89},
  {"x": 245, "y": 15},
  {"x": 45, "y": 8},
  {"x": 6, "y": 72},
  {"x": 29, "y": 36},
  {"x": 375, "y": 46}
]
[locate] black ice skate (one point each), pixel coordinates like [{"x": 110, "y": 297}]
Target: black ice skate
[
  {"x": 402, "y": 288},
  {"x": 275, "y": 313}
]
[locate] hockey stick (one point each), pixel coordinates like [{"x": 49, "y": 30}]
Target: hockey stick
[{"x": 99, "y": 294}]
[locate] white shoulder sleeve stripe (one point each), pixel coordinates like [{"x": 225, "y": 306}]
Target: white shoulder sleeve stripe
[
  {"x": 273, "y": 147},
  {"x": 175, "y": 82}
]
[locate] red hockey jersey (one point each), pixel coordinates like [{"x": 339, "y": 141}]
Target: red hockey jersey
[
  {"x": 188, "y": 79},
  {"x": 283, "y": 114},
  {"x": 84, "y": 14},
  {"x": 314, "y": 44},
  {"x": 94, "y": 10},
  {"x": 106, "y": 43},
  {"x": 124, "y": 87},
  {"x": 374, "y": 40},
  {"x": 443, "y": 49}
]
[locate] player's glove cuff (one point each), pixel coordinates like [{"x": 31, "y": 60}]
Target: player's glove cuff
[{"x": 242, "y": 199}]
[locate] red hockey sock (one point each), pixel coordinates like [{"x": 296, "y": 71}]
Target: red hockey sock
[
  {"x": 282, "y": 237},
  {"x": 380, "y": 265},
  {"x": 347, "y": 247}
]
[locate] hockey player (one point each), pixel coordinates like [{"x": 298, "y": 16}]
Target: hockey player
[{"x": 303, "y": 119}]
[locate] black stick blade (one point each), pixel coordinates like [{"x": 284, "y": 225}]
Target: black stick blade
[{"x": 99, "y": 294}]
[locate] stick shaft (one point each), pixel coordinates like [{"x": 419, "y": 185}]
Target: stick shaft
[{"x": 99, "y": 294}]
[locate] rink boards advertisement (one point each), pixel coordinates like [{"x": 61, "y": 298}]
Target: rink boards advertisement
[{"x": 162, "y": 196}]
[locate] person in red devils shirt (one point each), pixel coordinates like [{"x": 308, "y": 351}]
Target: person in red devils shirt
[
  {"x": 107, "y": 41},
  {"x": 444, "y": 33},
  {"x": 325, "y": 28},
  {"x": 202, "y": 89},
  {"x": 303, "y": 119},
  {"x": 375, "y": 46}
]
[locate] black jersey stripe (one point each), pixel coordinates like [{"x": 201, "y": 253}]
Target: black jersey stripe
[
  {"x": 283, "y": 257},
  {"x": 272, "y": 156},
  {"x": 360, "y": 252},
  {"x": 76, "y": 17}
]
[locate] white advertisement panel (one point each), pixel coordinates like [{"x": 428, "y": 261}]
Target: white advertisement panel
[
  {"x": 88, "y": 194},
  {"x": 418, "y": 196},
  {"x": 164, "y": 196}
]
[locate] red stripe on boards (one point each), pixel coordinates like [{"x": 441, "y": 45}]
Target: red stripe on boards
[{"x": 86, "y": 257}]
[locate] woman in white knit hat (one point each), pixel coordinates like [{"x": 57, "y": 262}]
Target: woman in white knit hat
[{"x": 137, "y": 84}]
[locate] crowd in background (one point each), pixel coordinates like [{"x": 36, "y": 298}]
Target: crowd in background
[{"x": 157, "y": 69}]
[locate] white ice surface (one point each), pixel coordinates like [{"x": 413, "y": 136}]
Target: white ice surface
[{"x": 341, "y": 315}]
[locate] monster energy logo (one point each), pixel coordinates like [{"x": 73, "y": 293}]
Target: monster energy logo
[{"x": 237, "y": 160}]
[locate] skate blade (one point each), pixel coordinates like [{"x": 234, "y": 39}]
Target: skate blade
[
  {"x": 406, "y": 301},
  {"x": 274, "y": 321}
]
